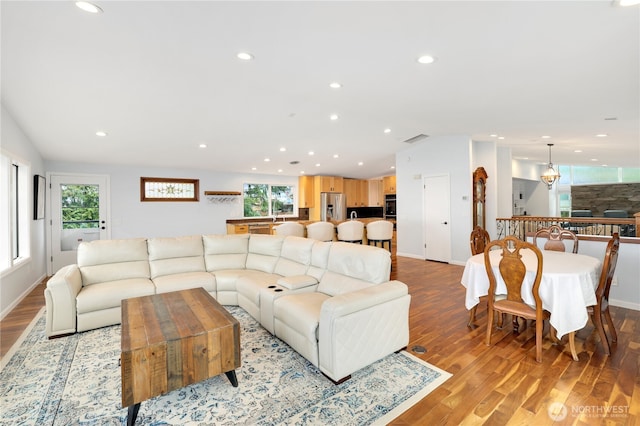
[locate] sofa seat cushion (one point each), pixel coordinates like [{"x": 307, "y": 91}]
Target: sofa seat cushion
[
  {"x": 300, "y": 312},
  {"x": 107, "y": 295},
  {"x": 249, "y": 285},
  {"x": 184, "y": 281}
]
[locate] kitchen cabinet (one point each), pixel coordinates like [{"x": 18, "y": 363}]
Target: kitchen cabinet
[
  {"x": 305, "y": 192},
  {"x": 241, "y": 228},
  {"x": 389, "y": 184},
  {"x": 375, "y": 196},
  {"x": 357, "y": 192},
  {"x": 329, "y": 184}
]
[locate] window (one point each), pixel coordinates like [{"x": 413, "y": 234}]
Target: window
[
  {"x": 263, "y": 200},
  {"x": 168, "y": 189},
  {"x": 15, "y": 213}
]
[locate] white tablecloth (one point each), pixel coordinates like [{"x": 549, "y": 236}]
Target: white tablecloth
[{"x": 568, "y": 285}]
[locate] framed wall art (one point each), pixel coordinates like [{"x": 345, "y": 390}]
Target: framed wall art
[
  {"x": 39, "y": 191},
  {"x": 168, "y": 189}
]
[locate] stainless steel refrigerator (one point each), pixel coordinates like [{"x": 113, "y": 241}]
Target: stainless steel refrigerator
[{"x": 333, "y": 206}]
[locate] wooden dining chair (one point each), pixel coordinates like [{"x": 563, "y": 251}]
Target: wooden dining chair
[
  {"x": 513, "y": 270},
  {"x": 601, "y": 308},
  {"x": 478, "y": 240},
  {"x": 555, "y": 236}
]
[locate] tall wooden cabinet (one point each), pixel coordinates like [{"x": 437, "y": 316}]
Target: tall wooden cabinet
[
  {"x": 357, "y": 192},
  {"x": 306, "y": 192},
  {"x": 376, "y": 196}
]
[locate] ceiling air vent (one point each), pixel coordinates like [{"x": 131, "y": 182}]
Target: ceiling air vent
[{"x": 417, "y": 138}]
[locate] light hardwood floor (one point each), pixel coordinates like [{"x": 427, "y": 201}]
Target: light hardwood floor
[{"x": 497, "y": 385}]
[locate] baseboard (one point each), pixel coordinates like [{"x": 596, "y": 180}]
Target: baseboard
[
  {"x": 412, "y": 256},
  {"x": 624, "y": 304},
  {"x": 24, "y": 294}
]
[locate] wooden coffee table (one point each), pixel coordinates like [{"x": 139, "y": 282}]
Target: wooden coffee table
[{"x": 171, "y": 340}]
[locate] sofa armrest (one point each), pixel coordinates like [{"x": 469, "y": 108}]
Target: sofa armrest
[
  {"x": 360, "y": 327},
  {"x": 295, "y": 282},
  {"x": 60, "y": 299}
]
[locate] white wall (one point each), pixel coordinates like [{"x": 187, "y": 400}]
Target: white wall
[
  {"x": 444, "y": 155},
  {"x": 17, "y": 283},
  {"x": 132, "y": 218}
]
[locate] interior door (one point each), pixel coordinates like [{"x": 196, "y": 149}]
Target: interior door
[
  {"x": 79, "y": 206},
  {"x": 437, "y": 236}
]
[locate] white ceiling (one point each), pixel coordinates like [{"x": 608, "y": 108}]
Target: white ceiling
[{"x": 162, "y": 77}]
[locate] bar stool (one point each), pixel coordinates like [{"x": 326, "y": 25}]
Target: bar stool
[
  {"x": 380, "y": 231},
  {"x": 289, "y": 228},
  {"x": 322, "y": 231},
  {"x": 351, "y": 231}
]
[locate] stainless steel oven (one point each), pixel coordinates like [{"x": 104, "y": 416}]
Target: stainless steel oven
[{"x": 390, "y": 206}]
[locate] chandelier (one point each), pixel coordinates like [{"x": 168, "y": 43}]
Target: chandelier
[{"x": 550, "y": 175}]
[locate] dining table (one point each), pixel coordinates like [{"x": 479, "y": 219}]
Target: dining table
[{"x": 567, "y": 287}]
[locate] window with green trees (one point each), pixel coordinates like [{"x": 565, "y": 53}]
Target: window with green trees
[
  {"x": 80, "y": 206},
  {"x": 264, "y": 200}
]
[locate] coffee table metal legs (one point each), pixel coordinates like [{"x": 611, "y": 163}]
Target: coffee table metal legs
[
  {"x": 231, "y": 375},
  {"x": 132, "y": 414}
]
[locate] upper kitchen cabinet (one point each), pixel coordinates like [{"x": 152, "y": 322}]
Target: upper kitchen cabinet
[
  {"x": 357, "y": 192},
  {"x": 389, "y": 184},
  {"x": 329, "y": 183},
  {"x": 305, "y": 192},
  {"x": 376, "y": 196}
]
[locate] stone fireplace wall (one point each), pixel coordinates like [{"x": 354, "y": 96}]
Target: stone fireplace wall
[{"x": 598, "y": 198}]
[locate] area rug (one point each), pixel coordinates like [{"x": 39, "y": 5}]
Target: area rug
[{"x": 75, "y": 380}]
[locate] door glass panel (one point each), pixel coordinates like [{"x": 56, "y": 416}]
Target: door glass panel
[{"x": 80, "y": 215}]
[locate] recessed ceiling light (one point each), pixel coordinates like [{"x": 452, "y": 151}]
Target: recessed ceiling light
[
  {"x": 601, "y": 135},
  {"x": 101, "y": 133},
  {"x": 279, "y": 170},
  {"x": 245, "y": 56},
  {"x": 254, "y": 168},
  {"x": 335, "y": 85},
  {"x": 594, "y": 159},
  {"x": 266, "y": 160},
  {"x": 335, "y": 156},
  {"x": 311, "y": 153},
  {"x": 494, "y": 135},
  {"x": 426, "y": 59},
  {"x": 387, "y": 130},
  {"x": 88, "y": 7},
  {"x": 317, "y": 164},
  {"x": 283, "y": 149},
  {"x": 625, "y": 3},
  {"x": 577, "y": 150},
  {"x": 360, "y": 163},
  {"x": 546, "y": 137},
  {"x": 203, "y": 145},
  {"x": 392, "y": 167},
  {"x": 500, "y": 137},
  {"x": 333, "y": 117},
  {"x": 301, "y": 172}
]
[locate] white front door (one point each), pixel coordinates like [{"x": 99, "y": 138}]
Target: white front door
[
  {"x": 437, "y": 237},
  {"x": 79, "y": 209}
]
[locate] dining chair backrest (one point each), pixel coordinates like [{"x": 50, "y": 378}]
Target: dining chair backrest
[
  {"x": 351, "y": 231},
  {"x": 512, "y": 269},
  {"x": 478, "y": 240},
  {"x": 608, "y": 269},
  {"x": 555, "y": 236}
]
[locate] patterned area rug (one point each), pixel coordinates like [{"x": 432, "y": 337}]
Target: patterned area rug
[{"x": 76, "y": 380}]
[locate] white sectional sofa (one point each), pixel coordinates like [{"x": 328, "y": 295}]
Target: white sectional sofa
[{"x": 332, "y": 302}]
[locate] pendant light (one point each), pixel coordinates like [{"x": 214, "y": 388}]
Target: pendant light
[{"x": 550, "y": 175}]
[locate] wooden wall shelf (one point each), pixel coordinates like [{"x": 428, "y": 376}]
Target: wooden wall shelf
[{"x": 223, "y": 197}]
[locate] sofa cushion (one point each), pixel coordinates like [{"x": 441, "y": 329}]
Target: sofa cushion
[
  {"x": 110, "y": 294},
  {"x": 319, "y": 259},
  {"x": 225, "y": 251},
  {"x": 300, "y": 312},
  {"x": 295, "y": 282},
  {"x": 185, "y": 281},
  {"x": 295, "y": 256},
  {"x": 112, "y": 260},
  {"x": 264, "y": 252},
  {"x": 352, "y": 267},
  {"x": 170, "y": 256}
]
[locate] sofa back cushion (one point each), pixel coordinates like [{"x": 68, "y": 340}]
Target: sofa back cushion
[
  {"x": 264, "y": 252},
  {"x": 352, "y": 267},
  {"x": 295, "y": 256},
  {"x": 319, "y": 259},
  {"x": 225, "y": 251},
  {"x": 113, "y": 260},
  {"x": 177, "y": 255}
]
